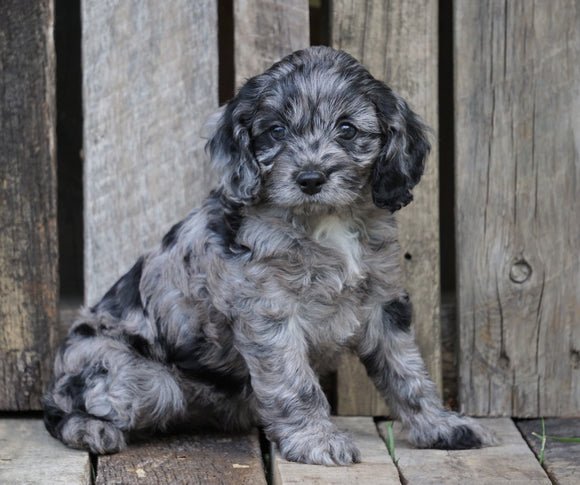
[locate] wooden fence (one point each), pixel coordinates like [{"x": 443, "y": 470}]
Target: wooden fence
[{"x": 150, "y": 77}]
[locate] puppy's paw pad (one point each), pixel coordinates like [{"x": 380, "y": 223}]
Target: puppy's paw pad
[
  {"x": 95, "y": 435},
  {"x": 322, "y": 449},
  {"x": 343, "y": 451},
  {"x": 460, "y": 438},
  {"x": 465, "y": 437}
]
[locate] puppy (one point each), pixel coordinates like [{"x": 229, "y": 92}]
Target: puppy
[{"x": 290, "y": 261}]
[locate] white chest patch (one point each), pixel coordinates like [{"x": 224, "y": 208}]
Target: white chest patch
[{"x": 337, "y": 234}]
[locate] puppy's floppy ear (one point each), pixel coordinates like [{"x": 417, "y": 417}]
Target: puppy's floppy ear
[
  {"x": 229, "y": 146},
  {"x": 401, "y": 161}
]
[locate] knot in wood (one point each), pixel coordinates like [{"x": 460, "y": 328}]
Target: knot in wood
[{"x": 520, "y": 271}]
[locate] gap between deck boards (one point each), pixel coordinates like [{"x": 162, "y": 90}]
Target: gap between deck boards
[{"x": 29, "y": 455}]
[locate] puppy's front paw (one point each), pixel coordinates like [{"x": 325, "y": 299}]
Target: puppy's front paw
[
  {"x": 454, "y": 432},
  {"x": 464, "y": 437},
  {"x": 320, "y": 445}
]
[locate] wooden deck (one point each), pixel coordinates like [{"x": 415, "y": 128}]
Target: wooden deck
[{"x": 28, "y": 455}]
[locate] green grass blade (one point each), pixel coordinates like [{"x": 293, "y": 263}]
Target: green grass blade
[
  {"x": 543, "y": 438},
  {"x": 390, "y": 442},
  {"x": 559, "y": 438}
]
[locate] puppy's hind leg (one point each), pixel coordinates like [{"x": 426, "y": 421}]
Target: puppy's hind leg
[
  {"x": 393, "y": 362},
  {"x": 103, "y": 389}
]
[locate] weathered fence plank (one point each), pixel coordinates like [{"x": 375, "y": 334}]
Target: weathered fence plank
[
  {"x": 193, "y": 459},
  {"x": 265, "y": 31},
  {"x": 28, "y": 233},
  {"x": 517, "y": 105},
  {"x": 509, "y": 462},
  {"x": 397, "y": 42},
  {"x": 149, "y": 83},
  {"x": 376, "y": 466}
]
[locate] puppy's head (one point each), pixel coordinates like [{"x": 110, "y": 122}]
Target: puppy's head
[{"x": 317, "y": 130}]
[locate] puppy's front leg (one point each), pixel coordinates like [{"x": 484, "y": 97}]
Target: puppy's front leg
[
  {"x": 291, "y": 404},
  {"x": 392, "y": 359}
]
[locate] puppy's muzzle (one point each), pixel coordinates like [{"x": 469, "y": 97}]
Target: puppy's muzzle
[{"x": 310, "y": 181}]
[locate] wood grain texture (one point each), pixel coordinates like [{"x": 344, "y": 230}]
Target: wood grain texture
[
  {"x": 356, "y": 395},
  {"x": 509, "y": 462},
  {"x": 397, "y": 42},
  {"x": 376, "y": 466},
  {"x": 517, "y": 104},
  {"x": 29, "y": 455},
  {"x": 149, "y": 84},
  {"x": 194, "y": 459},
  {"x": 28, "y": 233},
  {"x": 560, "y": 458},
  {"x": 265, "y": 31}
]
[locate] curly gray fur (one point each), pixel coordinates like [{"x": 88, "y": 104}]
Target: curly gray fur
[{"x": 291, "y": 260}]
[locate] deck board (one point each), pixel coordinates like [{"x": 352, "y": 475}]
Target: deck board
[
  {"x": 510, "y": 462},
  {"x": 29, "y": 455},
  {"x": 561, "y": 459},
  {"x": 194, "y": 459}
]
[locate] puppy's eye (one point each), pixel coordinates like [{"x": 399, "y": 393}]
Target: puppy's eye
[
  {"x": 347, "y": 131},
  {"x": 278, "y": 132}
]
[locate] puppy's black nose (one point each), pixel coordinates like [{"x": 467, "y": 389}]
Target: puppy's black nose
[{"x": 310, "y": 181}]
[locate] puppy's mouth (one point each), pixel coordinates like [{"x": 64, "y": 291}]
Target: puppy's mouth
[
  {"x": 321, "y": 196},
  {"x": 313, "y": 189}
]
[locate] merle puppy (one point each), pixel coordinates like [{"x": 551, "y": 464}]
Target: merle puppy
[{"x": 290, "y": 261}]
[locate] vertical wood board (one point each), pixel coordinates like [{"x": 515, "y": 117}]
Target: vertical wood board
[
  {"x": 265, "y": 31},
  {"x": 149, "y": 84},
  {"x": 28, "y": 233},
  {"x": 356, "y": 394},
  {"x": 517, "y": 108},
  {"x": 397, "y": 42}
]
